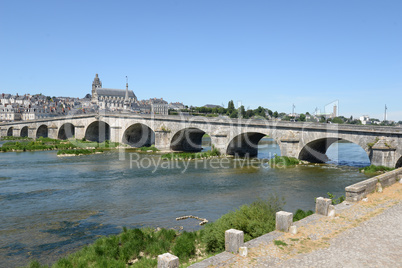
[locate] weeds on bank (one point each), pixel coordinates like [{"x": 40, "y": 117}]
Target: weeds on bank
[
  {"x": 283, "y": 161},
  {"x": 335, "y": 200},
  {"x": 372, "y": 169},
  {"x": 72, "y": 147},
  {"x": 140, "y": 247},
  {"x": 190, "y": 155}
]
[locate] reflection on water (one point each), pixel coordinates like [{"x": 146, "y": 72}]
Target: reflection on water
[{"x": 51, "y": 206}]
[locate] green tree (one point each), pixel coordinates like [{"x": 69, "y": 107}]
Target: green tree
[
  {"x": 231, "y": 106},
  {"x": 233, "y": 114},
  {"x": 242, "y": 111},
  {"x": 337, "y": 120},
  {"x": 276, "y": 114}
]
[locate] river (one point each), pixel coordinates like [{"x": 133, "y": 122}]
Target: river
[{"x": 50, "y": 205}]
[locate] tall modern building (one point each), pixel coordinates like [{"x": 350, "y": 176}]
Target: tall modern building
[{"x": 111, "y": 99}]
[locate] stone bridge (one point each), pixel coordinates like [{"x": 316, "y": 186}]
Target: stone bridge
[{"x": 306, "y": 141}]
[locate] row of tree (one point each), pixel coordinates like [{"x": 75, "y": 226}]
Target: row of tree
[{"x": 266, "y": 113}]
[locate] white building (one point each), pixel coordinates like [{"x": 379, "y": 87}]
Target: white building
[{"x": 111, "y": 99}]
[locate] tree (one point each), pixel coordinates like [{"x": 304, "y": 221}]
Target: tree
[
  {"x": 270, "y": 112},
  {"x": 231, "y": 106},
  {"x": 242, "y": 111},
  {"x": 337, "y": 120},
  {"x": 233, "y": 114},
  {"x": 302, "y": 117},
  {"x": 276, "y": 114}
]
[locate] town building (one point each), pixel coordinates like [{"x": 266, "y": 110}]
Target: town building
[{"x": 111, "y": 99}]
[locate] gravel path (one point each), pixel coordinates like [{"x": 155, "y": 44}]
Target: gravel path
[
  {"x": 374, "y": 243},
  {"x": 363, "y": 234}
]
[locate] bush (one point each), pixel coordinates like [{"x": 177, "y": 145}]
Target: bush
[
  {"x": 185, "y": 246},
  {"x": 254, "y": 220},
  {"x": 283, "y": 161},
  {"x": 335, "y": 200},
  {"x": 301, "y": 214}
]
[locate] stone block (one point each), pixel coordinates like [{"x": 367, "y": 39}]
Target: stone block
[
  {"x": 234, "y": 239},
  {"x": 331, "y": 211},
  {"x": 322, "y": 205},
  {"x": 168, "y": 260},
  {"x": 293, "y": 229},
  {"x": 243, "y": 251},
  {"x": 283, "y": 221},
  {"x": 378, "y": 187}
]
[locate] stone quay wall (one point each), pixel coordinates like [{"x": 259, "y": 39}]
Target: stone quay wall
[{"x": 358, "y": 191}]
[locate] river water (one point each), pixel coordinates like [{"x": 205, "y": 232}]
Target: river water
[{"x": 50, "y": 205}]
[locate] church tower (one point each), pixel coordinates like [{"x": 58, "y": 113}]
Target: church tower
[
  {"x": 95, "y": 85},
  {"x": 126, "y": 100}
]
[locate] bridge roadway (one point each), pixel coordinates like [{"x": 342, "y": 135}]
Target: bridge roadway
[{"x": 306, "y": 141}]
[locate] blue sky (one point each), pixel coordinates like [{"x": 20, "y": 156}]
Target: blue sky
[{"x": 268, "y": 53}]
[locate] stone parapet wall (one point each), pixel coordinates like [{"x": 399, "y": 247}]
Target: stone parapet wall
[{"x": 358, "y": 191}]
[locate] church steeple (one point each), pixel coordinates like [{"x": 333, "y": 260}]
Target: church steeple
[
  {"x": 95, "y": 85},
  {"x": 126, "y": 100}
]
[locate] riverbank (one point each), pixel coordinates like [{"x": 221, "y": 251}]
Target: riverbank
[
  {"x": 65, "y": 147},
  {"x": 50, "y": 214},
  {"x": 366, "y": 234},
  {"x": 140, "y": 247}
]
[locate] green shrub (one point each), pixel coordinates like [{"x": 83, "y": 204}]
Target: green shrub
[
  {"x": 184, "y": 247},
  {"x": 335, "y": 200},
  {"x": 254, "y": 220},
  {"x": 301, "y": 214},
  {"x": 283, "y": 161},
  {"x": 191, "y": 155}
]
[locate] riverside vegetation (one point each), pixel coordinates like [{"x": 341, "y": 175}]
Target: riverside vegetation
[
  {"x": 190, "y": 156},
  {"x": 372, "y": 169},
  {"x": 64, "y": 147},
  {"x": 140, "y": 247}
]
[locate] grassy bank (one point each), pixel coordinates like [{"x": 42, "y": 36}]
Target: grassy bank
[
  {"x": 148, "y": 148},
  {"x": 140, "y": 247},
  {"x": 39, "y": 144},
  {"x": 190, "y": 156},
  {"x": 283, "y": 161},
  {"x": 12, "y": 138},
  {"x": 372, "y": 169},
  {"x": 64, "y": 146}
]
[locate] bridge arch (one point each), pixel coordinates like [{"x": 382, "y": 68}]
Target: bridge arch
[
  {"x": 245, "y": 144},
  {"x": 139, "y": 135},
  {"x": 315, "y": 150},
  {"x": 42, "y": 131},
  {"x": 98, "y": 131},
  {"x": 24, "y": 132},
  {"x": 66, "y": 131},
  {"x": 187, "y": 140},
  {"x": 10, "y": 131}
]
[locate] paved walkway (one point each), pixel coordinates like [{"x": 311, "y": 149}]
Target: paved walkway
[{"x": 366, "y": 234}]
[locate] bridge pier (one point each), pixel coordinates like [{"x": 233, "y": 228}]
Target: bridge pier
[
  {"x": 116, "y": 134},
  {"x": 220, "y": 141},
  {"x": 3, "y": 132},
  {"x": 52, "y": 132},
  {"x": 289, "y": 147},
  {"x": 79, "y": 132},
  {"x": 32, "y": 132},
  {"x": 162, "y": 140},
  {"x": 16, "y": 132},
  {"x": 383, "y": 154}
]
